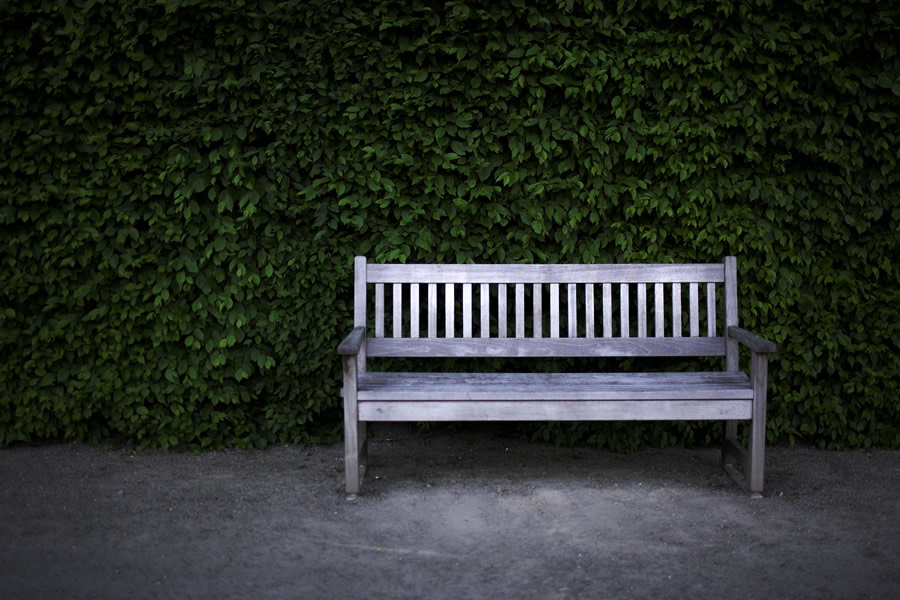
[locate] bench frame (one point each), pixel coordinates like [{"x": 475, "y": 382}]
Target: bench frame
[{"x": 729, "y": 395}]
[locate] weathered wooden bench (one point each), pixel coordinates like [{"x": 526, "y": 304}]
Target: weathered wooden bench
[{"x": 612, "y": 310}]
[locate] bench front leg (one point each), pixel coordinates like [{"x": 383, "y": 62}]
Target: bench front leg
[
  {"x": 759, "y": 372},
  {"x": 352, "y": 432},
  {"x": 751, "y": 459}
]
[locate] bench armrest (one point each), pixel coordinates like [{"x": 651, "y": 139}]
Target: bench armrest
[
  {"x": 751, "y": 340},
  {"x": 351, "y": 344}
]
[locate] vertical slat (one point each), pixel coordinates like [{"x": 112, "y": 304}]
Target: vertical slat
[
  {"x": 676, "y": 310},
  {"x": 359, "y": 305},
  {"x": 731, "y": 313},
  {"x": 397, "y": 316},
  {"x": 432, "y": 310},
  {"x": 623, "y": 311},
  {"x": 520, "y": 310},
  {"x": 359, "y": 291},
  {"x": 642, "y": 309},
  {"x": 659, "y": 299},
  {"x": 589, "y": 310},
  {"x": 711, "y": 309},
  {"x": 694, "y": 304},
  {"x": 501, "y": 310},
  {"x": 554, "y": 310},
  {"x": 485, "y": 310},
  {"x": 467, "y": 310},
  {"x": 571, "y": 301},
  {"x": 537, "y": 302},
  {"x": 414, "y": 310},
  {"x": 607, "y": 310},
  {"x": 449, "y": 310},
  {"x": 379, "y": 310}
]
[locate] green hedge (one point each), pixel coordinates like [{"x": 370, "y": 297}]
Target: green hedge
[{"x": 184, "y": 184}]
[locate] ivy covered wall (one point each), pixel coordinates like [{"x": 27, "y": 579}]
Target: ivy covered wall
[{"x": 183, "y": 185}]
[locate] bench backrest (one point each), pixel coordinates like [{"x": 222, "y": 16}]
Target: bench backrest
[{"x": 417, "y": 310}]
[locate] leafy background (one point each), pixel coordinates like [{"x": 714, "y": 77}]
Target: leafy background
[{"x": 184, "y": 184}]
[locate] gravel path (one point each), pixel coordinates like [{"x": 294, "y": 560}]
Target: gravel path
[{"x": 472, "y": 514}]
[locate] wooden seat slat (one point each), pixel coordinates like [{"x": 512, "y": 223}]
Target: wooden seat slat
[
  {"x": 529, "y": 386},
  {"x": 544, "y": 347},
  {"x": 557, "y": 410}
]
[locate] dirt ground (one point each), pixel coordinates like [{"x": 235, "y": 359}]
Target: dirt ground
[{"x": 477, "y": 513}]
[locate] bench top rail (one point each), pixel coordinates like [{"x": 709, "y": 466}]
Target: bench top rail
[{"x": 566, "y": 273}]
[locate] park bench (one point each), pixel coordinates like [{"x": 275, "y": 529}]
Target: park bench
[{"x": 565, "y": 310}]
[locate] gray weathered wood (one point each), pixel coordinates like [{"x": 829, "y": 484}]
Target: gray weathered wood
[
  {"x": 751, "y": 340},
  {"x": 731, "y": 344},
  {"x": 676, "y": 310},
  {"x": 659, "y": 310},
  {"x": 467, "y": 309},
  {"x": 351, "y": 426},
  {"x": 397, "y": 316},
  {"x": 728, "y": 395},
  {"x": 631, "y": 378},
  {"x": 611, "y": 273},
  {"x": 353, "y": 343},
  {"x": 607, "y": 310},
  {"x": 555, "y": 410},
  {"x": 359, "y": 291},
  {"x": 589, "y": 311},
  {"x": 359, "y": 305},
  {"x": 432, "y": 310},
  {"x": 414, "y": 310},
  {"x": 642, "y": 309},
  {"x": 520, "y": 310},
  {"x": 694, "y": 309},
  {"x": 554, "y": 310},
  {"x": 379, "y": 310},
  {"x": 572, "y": 312},
  {"x": 549, "y": 347},
  {"x": 485, "y": 301},
  {"x": 407, "y": 387},
  {"x": 731, "y": 312},
  {"x": 759, "y": 375},
  {"x": 449, "y": 310},
  {"x": 501, "y": 311}
]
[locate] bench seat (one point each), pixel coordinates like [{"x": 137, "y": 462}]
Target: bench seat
[{"x": 391, "y": 396}]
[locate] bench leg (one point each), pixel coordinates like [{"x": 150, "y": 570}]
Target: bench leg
[
  {"x": 752, "y": 459},
  {"x": 730, "y": 443},
  {"x": 352, "y": 429},
  {"x": 363, "y": 446},
  {"x": 757, "y": 450}
]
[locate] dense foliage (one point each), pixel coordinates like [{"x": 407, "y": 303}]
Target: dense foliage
[{"x": 183, "y": 184}]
